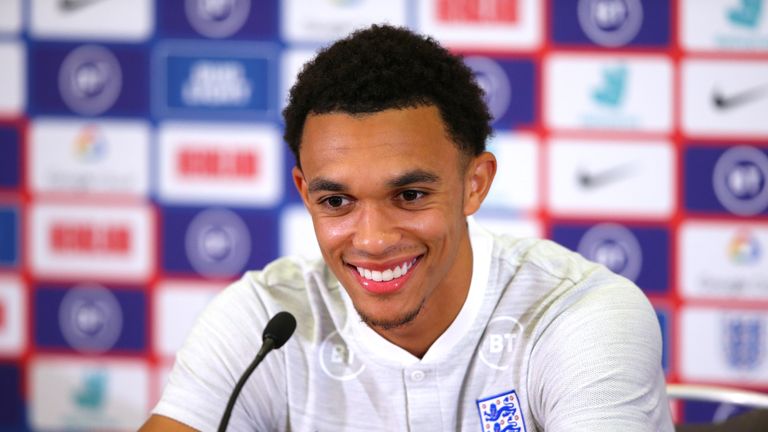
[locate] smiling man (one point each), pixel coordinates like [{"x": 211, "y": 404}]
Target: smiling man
[{"x": 416, "y": 318}]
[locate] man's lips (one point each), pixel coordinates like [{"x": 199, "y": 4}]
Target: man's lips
[{"x": 383, "y": 279}]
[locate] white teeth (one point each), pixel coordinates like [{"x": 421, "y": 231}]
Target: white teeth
[{"x": 386, "y": 275}]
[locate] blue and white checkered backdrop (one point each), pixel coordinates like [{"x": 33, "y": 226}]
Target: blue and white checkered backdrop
[{"x": 142, "y": 169}]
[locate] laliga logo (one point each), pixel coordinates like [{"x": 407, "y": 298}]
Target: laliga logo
[
  {"x": 90, "y": 318},
  {"x": 615, "y": 247},
  {"x": 218, "y": 243},
  {"x": 90, "y": 80},
  {"x": 610, "y": 22},
  {"x": 740, "y": 180},
  {"x": 217, "y": 18},
  {"x": 494, "y": 82}
]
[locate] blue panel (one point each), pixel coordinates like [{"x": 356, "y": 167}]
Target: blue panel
[
  {"x": 89, "y": 79},
  {"x": 218, "y": 242},
  {"x": 652, "y": 276},
  {"x": 9, "y": 236},
  {"x": 10, "y": 162},
  {"x": 509, "y": 85},
  {"x": 223, "y": 81},
  {"x": 611, "y": 23},
  {"x": 90, "y": 319},
  {"x": 709, "y": 412},
  {"x": 180, "y": 18},
  {"x": 739, "y": 186},
  {"x": 663, "y": 316},
  {"x": 11, "y": 404}
]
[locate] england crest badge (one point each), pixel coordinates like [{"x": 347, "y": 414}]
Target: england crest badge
[{"x": 501, "y": 413}]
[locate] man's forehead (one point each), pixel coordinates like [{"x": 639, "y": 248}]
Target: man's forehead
[{"x": 403, "y": 179}]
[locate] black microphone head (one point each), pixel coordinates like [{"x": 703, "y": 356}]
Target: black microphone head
[{"x": 279, "y": 328}]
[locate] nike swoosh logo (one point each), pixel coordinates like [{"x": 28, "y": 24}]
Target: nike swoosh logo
[
  {"x": 733, "y": 100},
  {"x": 74, "y": 5},
  {"x": 592, "y": 180}
]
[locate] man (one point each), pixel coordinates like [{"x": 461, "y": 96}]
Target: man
[{"x": 415, "y": 319}]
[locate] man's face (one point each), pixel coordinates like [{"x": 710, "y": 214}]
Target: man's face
[{"x": 388, "y": 196}]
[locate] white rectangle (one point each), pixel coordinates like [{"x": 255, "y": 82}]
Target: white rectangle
[
  {"x": 515, "y": 186},
  {"x": 723, "y": 260},
  {"x": 725, "y": 97},
  {"x": 13, "y": 82},
  {"x": 483, "y": 27},
  {"x": 10, "y": 16},
  {"x": 623, "y": 178},
  {"x": 723, "y": 345},
  {"x": 67, "y": 394},
  {"x": 235, "y": 164},
  {"x": 89, "y": 19},
  {"x": 608, "y": 92},
  {"x": 724, "y": 25},
  {"x": 297, "y": 234},
  {"x": 177, "y": 306},
  {"x": 107, "y": 242},
  {"x": 13, "y": 316},
  {"x": 99, "y": 157},
  {"x": 324, "y": 21}
]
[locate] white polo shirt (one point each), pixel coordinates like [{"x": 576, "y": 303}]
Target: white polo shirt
[{"x": 546, "y": 341}]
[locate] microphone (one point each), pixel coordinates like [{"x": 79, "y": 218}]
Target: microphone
[{"x": 277, "y": 332}]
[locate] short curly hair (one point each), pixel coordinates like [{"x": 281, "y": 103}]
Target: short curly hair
[{"x": 384, "y": 67}]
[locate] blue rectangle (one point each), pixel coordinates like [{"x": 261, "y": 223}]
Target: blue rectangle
[
  {"x": 88, "y": 79},
  {"x": 640, "y": 253},
  {"x": 217, "y": 242},
  {"x": 663, "y": 317},
  {"x": 10, "y": 162},
  {"x": 12, "y": 409},
  {"x": 509, "y": 86},
  {"x": 710, "y": 412},
  {"x": 726, "y": 179},
  {"x": 223, "y": 80},
  {"x": 237, "y": 19},
  {"x": 91, "y": 318},
  {"x": 9, "y": 236},
  {"x": 611, "y": 23}
]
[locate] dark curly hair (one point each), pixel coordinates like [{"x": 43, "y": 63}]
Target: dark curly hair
[{"x": 384, "y": 67}]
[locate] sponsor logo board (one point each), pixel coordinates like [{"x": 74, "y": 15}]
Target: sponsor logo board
[
  {"x": 297, "y": 234},
  {"x": 13, "y": 316},
  {"x": 724, "y": 25},
  {"x": 206, "y": 80},
  {"x": 327, "y": 20},
  {"x": 176, "y": 309},
  {"x": 90, "y": 318},
  {"x": 88, "y": 394},
  {"x": 496, "y": 24},
  {"x": 515, "y": 186},
  {"x": 639, "y": 253},
  {"x": 214, "y": 19},
  {"x": 234, "y": 163},
  {"x": 723, "y": 260},
  {"x": 92, "y": 19},
  {"x": 724, "y": 345},
  {"x": 10, "y": 16},
  {"x": 592, "y": 177},
  {"x": 103, "y": 157},
  {"x": 508, "y": 86},
  {"x": 106, "y": 242},
  {"x": 13, "y": 76},
  {"x": 724, "y": 98},
  {"x": 608, "y": 93}
]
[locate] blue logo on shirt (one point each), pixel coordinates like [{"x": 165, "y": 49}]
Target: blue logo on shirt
[{"x": 501, "y": 413}]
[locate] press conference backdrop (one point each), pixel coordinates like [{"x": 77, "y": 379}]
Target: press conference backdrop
[{"x": 142, "y": 169}]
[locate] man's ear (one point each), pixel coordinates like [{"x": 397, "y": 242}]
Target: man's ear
[
  {"x": 477, "y": 181},
  {"x": 301, "y": 184}
]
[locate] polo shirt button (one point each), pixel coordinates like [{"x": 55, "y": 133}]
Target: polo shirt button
[{"x": 417, "y": 375}]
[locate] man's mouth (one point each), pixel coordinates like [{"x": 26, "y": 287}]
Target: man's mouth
[
  {"x": 384, "y": 280},
  {"x": 388, "y": 274}
]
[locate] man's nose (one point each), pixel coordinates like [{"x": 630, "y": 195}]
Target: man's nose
[{"x": 375, "y": 232}]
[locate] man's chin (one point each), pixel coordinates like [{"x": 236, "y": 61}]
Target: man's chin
[{"x": 390, "y": 323}]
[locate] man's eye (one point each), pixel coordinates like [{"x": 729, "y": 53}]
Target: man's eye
[
  {"x": 334, "y": 201},
  {"x": 411, "y": 195}
]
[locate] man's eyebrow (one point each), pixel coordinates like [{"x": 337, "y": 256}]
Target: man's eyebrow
[
  {"x": 325, "y": 185},
  {"x": 411, "y": 177}
]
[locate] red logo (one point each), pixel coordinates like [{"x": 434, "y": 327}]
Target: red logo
[
  {"x": 218, "y": 163},
  {"x": 478, "y": 11},
  {"x": 87, "y": 238}
]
